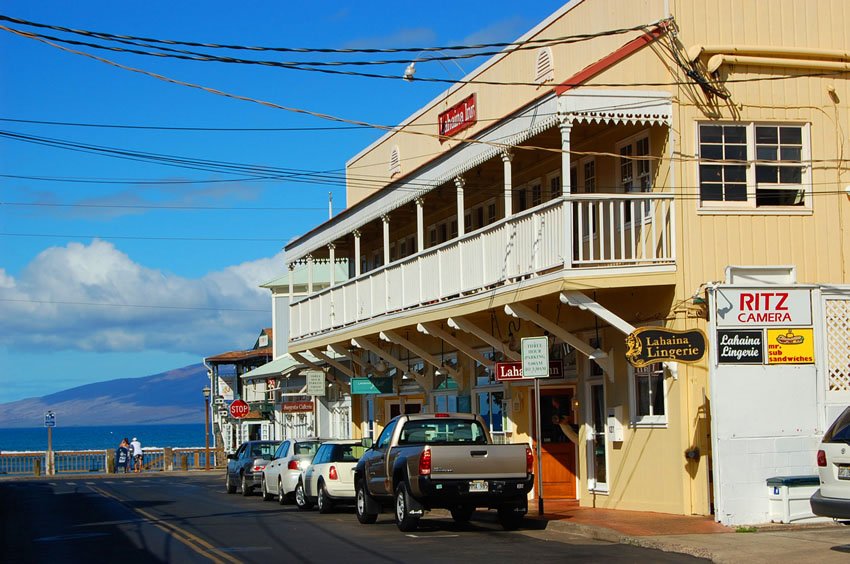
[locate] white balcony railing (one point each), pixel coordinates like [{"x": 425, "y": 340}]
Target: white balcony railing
[{"x": 608, "y": 230}]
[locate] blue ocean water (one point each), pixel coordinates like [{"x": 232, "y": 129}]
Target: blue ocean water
[{"x": 102, "y": 437}]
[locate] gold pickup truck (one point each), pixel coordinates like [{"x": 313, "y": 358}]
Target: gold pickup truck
[{"x": 442, "y": 460}]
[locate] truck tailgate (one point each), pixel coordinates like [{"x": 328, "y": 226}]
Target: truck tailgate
[{"x": 477, "y": 462}]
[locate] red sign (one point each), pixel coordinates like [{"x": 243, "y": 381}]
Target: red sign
[
  {"x": 508, "y": 371},
  {"x": 239, "y": 409},
  {"x": 297, "y": 407},
  {"x": 458, "y": 117}
]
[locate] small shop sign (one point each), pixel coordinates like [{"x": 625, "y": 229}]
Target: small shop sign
[
  {"x": 649, "y": 345},
  {"x": 315, "y": 382},
  {"x": 371, "y": 386},
  {"x": 457, "y": 118},
  {"x": 790, "y": 346},
  {"x": 297, "y": 407},
  {"x": 740, "y": 346},
  {"x": 762, "y": 307},
  {"x": 508, "y": 371}
]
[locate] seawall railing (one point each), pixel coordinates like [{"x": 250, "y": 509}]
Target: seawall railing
[{"x": 38, "y": 463}]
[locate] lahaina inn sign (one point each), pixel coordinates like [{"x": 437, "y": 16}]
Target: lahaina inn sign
[{"x": 648, "y": 345}]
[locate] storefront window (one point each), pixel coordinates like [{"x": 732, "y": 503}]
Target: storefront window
[
  {"x": 483, "y": 374},
  {"x": 490, "y": 409},
  {"x": 648, "y": 399}
]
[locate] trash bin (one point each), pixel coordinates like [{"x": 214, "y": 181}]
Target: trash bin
[{"x": 789, "y": 498}]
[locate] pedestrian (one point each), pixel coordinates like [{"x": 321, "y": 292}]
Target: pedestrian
[
  {"x": 137, "y": 455},
  {"x": 122, "y": 457}
]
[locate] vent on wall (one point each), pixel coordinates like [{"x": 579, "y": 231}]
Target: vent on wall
[
  {"x": 395, "y": 162},
  {"x": 544, "y": 70}
]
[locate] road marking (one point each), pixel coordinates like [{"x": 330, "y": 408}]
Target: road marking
[
  {"x": 71, "y": 536},
  {"x": 432, "y": 536},
  {"x": 197, "y": 544}
]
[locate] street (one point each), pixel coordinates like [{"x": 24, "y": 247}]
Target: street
[{"x": 190, "y": 518}]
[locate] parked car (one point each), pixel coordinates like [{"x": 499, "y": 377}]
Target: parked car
[
  {"x": 833, "y": 497},
  {"x": 281, "y": 474},
  {"x": 245, "y": 466},
  {"x": 442, "y": 460},
  {"x": 329, "y": 480}
]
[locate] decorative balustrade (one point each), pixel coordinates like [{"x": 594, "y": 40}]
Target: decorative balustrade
[
  {"x": 608, "y": 231},
  {"x": 36, "y": 463}
]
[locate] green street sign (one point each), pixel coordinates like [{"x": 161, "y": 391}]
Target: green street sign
[{"x": 371, "y": 386}]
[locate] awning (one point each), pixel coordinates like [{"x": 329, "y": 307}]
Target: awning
[{"x": 278, "y": 367}]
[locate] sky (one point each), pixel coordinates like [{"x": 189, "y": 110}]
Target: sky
[{"x": 139, "y": 214}]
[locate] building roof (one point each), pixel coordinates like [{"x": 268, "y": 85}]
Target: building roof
[{"x": 239, "y": 356}]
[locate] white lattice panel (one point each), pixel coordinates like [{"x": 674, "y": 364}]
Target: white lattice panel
[{"x": 837, "y": 322}]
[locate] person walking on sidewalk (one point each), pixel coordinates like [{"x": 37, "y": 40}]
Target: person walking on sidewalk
[{"x": 138, "y": 455}]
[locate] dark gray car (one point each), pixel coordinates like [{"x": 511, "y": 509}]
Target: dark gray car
[{"x": 249, "y": 459}]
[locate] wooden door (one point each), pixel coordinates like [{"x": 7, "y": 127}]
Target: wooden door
[{"x": 558, "y": 453}]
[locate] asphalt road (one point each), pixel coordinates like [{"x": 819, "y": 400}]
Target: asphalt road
[{"x": 189, "y": 518}]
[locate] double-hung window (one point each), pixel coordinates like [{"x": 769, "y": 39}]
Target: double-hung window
[
  {"x": 649, "y": 399},
  {"x": 754, "y": 165},
  {"x": 635, "y": 171}
]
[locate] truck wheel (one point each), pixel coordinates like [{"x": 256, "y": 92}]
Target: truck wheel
[
  {"x": 324, "y": 505},
  {"x": 403, "y": 520},
  {"x": 462, "y": 514},
  {"x": 301, "y": 500},
  {"x": 246, "y": 489},
  {"x": 266, "y": 495},
  {"x": 229, "y": 487},
  {"x": 360, "y": 504},
  {"x": 510, "y": 519}
]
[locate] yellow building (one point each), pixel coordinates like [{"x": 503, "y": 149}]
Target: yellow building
[{"x": 596, "y": 177}]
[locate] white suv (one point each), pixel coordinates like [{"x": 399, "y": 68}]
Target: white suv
[{"x": 833, "y": 497}]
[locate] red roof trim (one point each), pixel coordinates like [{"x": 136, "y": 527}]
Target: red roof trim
[{"x": 611, "y": 59}]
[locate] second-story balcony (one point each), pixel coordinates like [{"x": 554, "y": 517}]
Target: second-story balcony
[{"x": 561, "y": 238}]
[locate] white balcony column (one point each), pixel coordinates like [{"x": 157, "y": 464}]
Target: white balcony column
[
  {"x": 291, "y": 267},
  {"x": 507, "y": 157},
  {"x": 566, "y": 127},
  {"x": 386, "y": 221},
  {"x": 310, "y": 274},
  {"x": 420, "y": 224},
  {"x": 356, "y": 234},
  {"x": 332, "y": 261},
  {"x": 459, "y": 184}
]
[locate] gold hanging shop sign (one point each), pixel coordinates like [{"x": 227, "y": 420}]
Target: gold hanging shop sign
[{"x": 648, "y": 345}]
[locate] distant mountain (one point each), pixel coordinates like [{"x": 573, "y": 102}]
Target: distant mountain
[{"x": 171, "y": 397}]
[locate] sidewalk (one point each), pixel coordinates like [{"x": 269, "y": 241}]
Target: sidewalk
[{"x": 702, "y": 536}]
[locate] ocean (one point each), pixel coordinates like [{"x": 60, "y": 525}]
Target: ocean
[{"x": 102, "y": 437}]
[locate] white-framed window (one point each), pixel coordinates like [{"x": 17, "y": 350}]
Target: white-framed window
[
  {"x": 588, "y": 175},
  {"x": 536, "y": 195},
  {"x": 556, "y": 188},
  {"x": 635, "y": 169},
  {"x": 749, "y": 166},
  {"x": 648, "y": 392},
  {"x": 521, "y": 194}
]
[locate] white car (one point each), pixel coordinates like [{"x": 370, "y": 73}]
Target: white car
[
  {"x": 329, "y": 480},
  {"x": 833, "y": 497},
  {"x": 281, "y": 474}
]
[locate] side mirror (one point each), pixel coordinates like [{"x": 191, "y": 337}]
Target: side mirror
[{"x": 366, "y": 443}]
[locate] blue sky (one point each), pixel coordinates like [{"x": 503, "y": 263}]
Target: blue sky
[{"x": 112, "y": 267}]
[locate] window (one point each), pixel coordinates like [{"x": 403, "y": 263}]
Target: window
[
  {"x": 491, "y": 410},
  {"x": 753, "y": 165},
  {"x": 635, "y": 170},
  {"x": 491, "y": 213},
  {"x": 648, "y": 395},
  {"x": 536, "y": 195},
  {"x": 442, "y": 431},
  {"x": 307, "y": 447},
  {"x": 589, "y": 180},
  {"x": 522, "y": 200},
  {"x": 386, "y": 435},
  {"x": 555, "y": 187}
]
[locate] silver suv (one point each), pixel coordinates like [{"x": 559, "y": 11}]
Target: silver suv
[{"x": 833, "y": 497}]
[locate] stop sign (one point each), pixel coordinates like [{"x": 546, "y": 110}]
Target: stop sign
[{"x": 239, "y": 409}]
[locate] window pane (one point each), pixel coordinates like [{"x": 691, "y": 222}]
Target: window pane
[
  {"x": 658, "y": 394},
  {"x": 710, "y": 134},
  {"x": 791, "y": 135},
  {"x": 714, "y": 152},
  {"x": 736, "y": 152},
  {"x": 767, "y": 134},
  {"x": 791, "y": 154},
  {"x": 735, "y": 173},
  {"x": 711, "y": 173},
  {"x": 736, "y": 192},
  {"x": 711, "y": 192},
  {"x": 642, "y": 386},
  {"x": 735, "y": 134},
  {"x": 791, "y": 175},
  {"x": 766, "y": 153},
  {"x": 767, "y": 174},
  {"x": 779, "y": 197}
]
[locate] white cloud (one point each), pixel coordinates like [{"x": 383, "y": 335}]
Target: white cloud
[{"x": 96, "y": 298}]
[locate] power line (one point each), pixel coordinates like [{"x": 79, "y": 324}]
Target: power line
[
  {"x": 146, "y": 238},
  {"x": 162, "y": 207},
  {"x": 166, "y": 128},
  {"x": 138, "y": 306}
]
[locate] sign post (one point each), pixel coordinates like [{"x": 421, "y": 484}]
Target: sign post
[
  {"x": 49, "y": 422},
  {"x": 535, "y": 364}
]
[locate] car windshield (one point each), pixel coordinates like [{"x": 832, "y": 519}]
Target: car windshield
[
  {"x": 347, "y": 453},
  {"x": 263, "y": 450},
  {"x": 307, "y": 448},
  {"x": 839, "y": 431},
  {"x": 442, "y": 431}
]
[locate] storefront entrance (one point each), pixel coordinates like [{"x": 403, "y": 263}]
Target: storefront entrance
[{"x": 558, "y": 452}]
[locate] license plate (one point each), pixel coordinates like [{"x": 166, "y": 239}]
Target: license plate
[
  {"x": 844, "y": 472},
  {"x": 479, "y": 486}
]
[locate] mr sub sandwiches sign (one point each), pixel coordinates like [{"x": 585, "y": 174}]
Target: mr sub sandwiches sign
[{"x": 761, "y": 307}]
